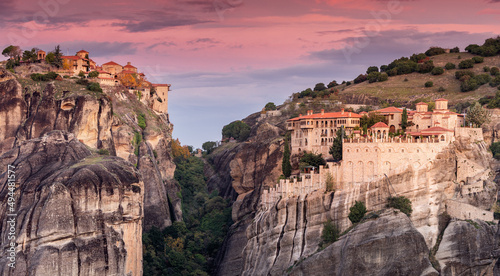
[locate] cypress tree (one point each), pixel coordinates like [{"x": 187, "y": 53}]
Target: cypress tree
[{"x": 286, "y": 166}]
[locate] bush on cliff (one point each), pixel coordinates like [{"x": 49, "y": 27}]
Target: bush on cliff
[
  {"x": 329, "y": 235},
  {"x": 400, "y": 202},
  {"x": 357, "y": 212},
  {"x": 239, "y": 130},
  {"x": 495, "y": 150},
  {"x": 311, "y": 159}
]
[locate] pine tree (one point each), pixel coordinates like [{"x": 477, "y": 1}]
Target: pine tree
[
  {"x": 285, "y": 165},
  {"x": 477, "y": 115},
  {"x": 404, "y": 119},
  {"x": 336, "y": 148},
  {"x": 58, "y": 62}
]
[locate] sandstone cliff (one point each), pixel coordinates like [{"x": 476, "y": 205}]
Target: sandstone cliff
[
  {"x": 106, "y": 122},
  {"x": 269, "y": 240},
  {"x": 77, "y": 213}
]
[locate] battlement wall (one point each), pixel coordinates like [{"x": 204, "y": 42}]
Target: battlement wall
[{"x": 475, "y": 134}]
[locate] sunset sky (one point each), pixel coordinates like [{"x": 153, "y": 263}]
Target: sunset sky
[{"x": 225, "y": 59}]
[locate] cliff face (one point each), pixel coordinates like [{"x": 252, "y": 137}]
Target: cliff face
[
  {"x": 270, "y": 239},
  {"x": 77, "y": 213},
  {"x": 105, "y": 122}
]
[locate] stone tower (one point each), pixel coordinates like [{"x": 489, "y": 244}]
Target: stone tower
[{"x": 160, "y": 103}]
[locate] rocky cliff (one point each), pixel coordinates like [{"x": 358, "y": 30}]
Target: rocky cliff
[
  {"x": 269, "y": 240},
  {"x": 78, "y": 213},
  {"x": 108, "y": 122}
]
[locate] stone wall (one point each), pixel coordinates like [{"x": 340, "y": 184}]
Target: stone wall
[
  {"x": 476, "y": 134},
  {"x": 464, "y": 211}
]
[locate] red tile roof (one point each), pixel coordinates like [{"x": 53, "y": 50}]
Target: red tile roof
[
  {"x": 328, "y": 116},
  {"x": 128, "y": 72},
  {"x": 422, "y": 103},
  {"x": 441, "y": 100},
  {"x": 160, "y": 85},
  {"x": 436, "y": 129},
  {"x": 82, "y": 51},
  {"x": 390, "y": 109},
  {"x": 111, "y": 63},
  {"x": 129, "y": 66},
  {"x": 380, "y": 125}
]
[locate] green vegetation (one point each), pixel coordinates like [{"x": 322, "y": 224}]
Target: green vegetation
[
  {"x": 473, "y": 223},
  {"x": 332, "y": 84},
  {"x": 311, "y": 159},
  {"x": 141, "y": 120},
  {"x": 329, "y": 235},
  {"x": 404, "y": 119},
  {"x": 437, "y": 71},
  {"x": 361, "y": 78},
  {"x": 270, "y": 106},
  {"x": 495, "y": 150},
  {"x": 402, "y": 203},
  {"x": 189, "y": 247},
  {"x": 44, "y": 77},
  {"x": 371, "y": 69},
  {"x": 491, "y": 47},
  {"x": 425, "y": 67},
  {"x": 319, "y": 87},
  {"x": 494, "y": 71},
  {"x": 103, "y": 152},
  {"x": 209, "y": 146},
  {"x": 94, "y": 86},
  {"x": 136, "y": 142},
  {"x": 450, "y": 66},
  {"x": 357, "y": 212},
  {"x": 239, "y": 130},
  {"x": 429, "y": 84},
  {"x": 93, "y": 74},
  {"x": 330, "y": 183},
  {"x": 477, "y": 115},
  {"x": 31, "y": 56},
  {"x": 336, "y": 148},
  {"x": 286, "y": 166},
  {"x": 465, "y": 64},
  {"x": 478, "y": 59},
  {"x": 434, "y": 51}
]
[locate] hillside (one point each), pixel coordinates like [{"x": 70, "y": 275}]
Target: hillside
[{"x": 399, "y": 90}]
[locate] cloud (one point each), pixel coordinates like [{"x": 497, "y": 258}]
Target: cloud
[{"x": 203, "y": 41}]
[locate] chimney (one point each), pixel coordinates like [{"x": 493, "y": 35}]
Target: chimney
[
  {"x": 300, "y": 115},
  {"x": 322, "y": 111},
  {"x": 342, "y": 111},
  {"x": 128, "y": 63}
]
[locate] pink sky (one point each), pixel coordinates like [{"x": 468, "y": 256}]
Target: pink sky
[{"x": 227, "y": 58}]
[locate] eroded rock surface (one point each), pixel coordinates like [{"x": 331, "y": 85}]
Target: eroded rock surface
[{"x": 77, "y": 213}]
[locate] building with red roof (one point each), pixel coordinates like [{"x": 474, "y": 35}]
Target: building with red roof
[
  {"x": 78, "y": 63},
  {"x": 441, "y": 116},
  {"x": 315, "y": 132}
]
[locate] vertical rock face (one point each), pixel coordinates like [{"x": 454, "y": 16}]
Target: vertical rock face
[
  {"x": 469, "y": 248},
  {"x": 387, "y": 245},
  {"x": 108, "y": 123},
  {"x": 77, "y": 213}
]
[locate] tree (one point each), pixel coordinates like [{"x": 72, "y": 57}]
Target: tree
[
  {"x": 270, "y": 106},
  {"x": 330, "y": 182},
  {"x": 330, "y": 233},
  {"x": 357, "y": 212},
  {"x": 30, "y": 56},
  {"x": 433, "y": 51},
  {"x": 332, "y": 84},
  {"x": 404, "y": 119},
  {"x": 286, "y": 166},
  {"x": 319, "y": 87},
  {"x": 455, "y": 50},
  {"x": 495, "y": 150},
  {"x": 336, "y": 148},
  {"x": 93, "y": 74},
  {"x": 402, "y": 203},
  {"x": 450, "y": 66},
  {"x": 437, "y": 71},
  {"x": 311, "y": 159},
  {"x": 477, "y": 115},
  {"x": 58, "y": 61},
  {"x": 127, "y": 80},
  {"x": 429, "y": 84},
  {"x": 209, "y": 146},
  {"x": 179, "y": 151},
  {"x": 361, "y": 78},
  {"x": 383, "y": 77},
  {"x": 373, "y": 76},
  {"x": 13, "y": 52},
  {"x": 478, "y": 59},
  {"x": 239, "y": 130},
  {"x": 465, "y": 64},
  {"x": 371, "y": 69},
  {"x": 50, "y": 57}
]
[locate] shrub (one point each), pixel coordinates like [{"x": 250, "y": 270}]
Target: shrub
[
  {"x": 93, "y": 74},
  {"x": 357, "y": 212},
  {"x": 94, "y": 86},
  {"x": 483, "y": 79},
  {"x": 81, "y": 74},
  {"x": 495, "y": 150},
  {"x": 330, "y": 234},
  {"x": 348, "y": 83},
  {"x": 103, "y": 152},
  {"x": 437, "y": 71},
  {"x": 270, "y": 106},
  {"x": 468, "y": 85},
  {"x": 402, "y": 203},
  {"x": 384, "y": 68},
  {"x": 429, "y": 84},
  {"x": 478, "y": 59},
  {"x": 486, "y": 69},
  {"x": 450, "y": 66},
  {"x": 465, "y": 64},
  {"x": 239, "y": 130},
  {"x": 406, "y": 79},
  {"x": 311, "y": 159},
  {"x": 371, "y": 69},
  {"x": 332, "y": 84},
  {"x": 141, "y": 120},
  {"x": 361, "y": 78},
  {"x": 392, "y": 72},
  {"x": 425, "y": 67},
  {"x": 433, "y": 51},
  {"x": 44, "y": 77},
  {"x": 455, "y": 50},
  {"x": 460, "y": 74},
  {"x": 494, "y": 71},
  {"x": 319, "y": 87},
  {"x": 441, "y": 89},
  {"x": 373, "y": 76},
  {"x": 495, "y": 81},
  {"x": 383, "y": 77},
  {"x": 82, "y": 82}
]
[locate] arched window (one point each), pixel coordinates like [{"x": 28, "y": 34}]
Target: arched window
[{"x": 442, "y": 138}]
